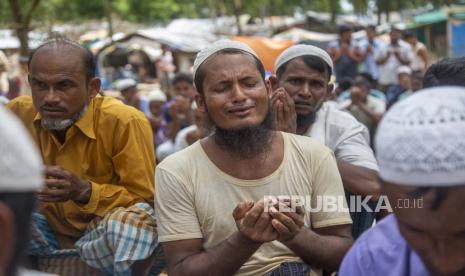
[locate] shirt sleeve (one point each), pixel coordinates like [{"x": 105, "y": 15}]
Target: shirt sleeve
[
  {"x": 175, "y": 208},
  {"x": 328, "y": 187},
  {"x": 354, "y": 148},
  {"x": 134, "y": 166},
  {"x": 379, "y": 106},
  {"x": 356, "y": 262}
]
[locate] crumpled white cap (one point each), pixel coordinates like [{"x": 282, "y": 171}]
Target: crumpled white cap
[
  {"x": 421, "y": 140},
  {"x": 217, "y": 46},
  {"x": 20, "y": 162},
  {"x": 156, "y": 95},
  {"x": 124, "y": 84},
  {"x": 404, "y": 70},
  {"x": 302, "y": 50}
]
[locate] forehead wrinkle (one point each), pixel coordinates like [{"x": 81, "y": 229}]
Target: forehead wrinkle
[
  {"x": 223, "y": 72},
  {"x": 55, "y": 66}
]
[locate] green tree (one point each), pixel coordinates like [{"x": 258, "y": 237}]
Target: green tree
[{"x": 22, "y": 16}]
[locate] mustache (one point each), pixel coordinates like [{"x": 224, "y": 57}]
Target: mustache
[{"x": 54, "y": 107}]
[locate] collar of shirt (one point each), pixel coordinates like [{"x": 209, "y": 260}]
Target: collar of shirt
[{"x": 85, "y": 123}]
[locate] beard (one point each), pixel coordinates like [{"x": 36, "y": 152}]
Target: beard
[
  {"x": 246, "y": 142},
  {"x": 304, "y": 121},
  {"x": 51, "y": 124}
]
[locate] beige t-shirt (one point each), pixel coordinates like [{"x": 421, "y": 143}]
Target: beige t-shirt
[{"x": 195, "y": 199}]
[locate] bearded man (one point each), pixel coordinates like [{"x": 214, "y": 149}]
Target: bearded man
[
  {"x": 210, "y": 196},
  {"x": 99, "y": 165}
]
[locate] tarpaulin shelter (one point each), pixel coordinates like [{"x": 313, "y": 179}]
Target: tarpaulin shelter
[{"x": 267, "y": 49}]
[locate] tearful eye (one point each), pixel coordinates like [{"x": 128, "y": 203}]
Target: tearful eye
[
  {"x": 250, "y": 84},
  {"x": 295, "y": 81}
]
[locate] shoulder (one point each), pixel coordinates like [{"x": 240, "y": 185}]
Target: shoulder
[
  {"x": 308, "y": 148},
  {"x": 23, "y": 107},
  {"x": 183, "y": 161},
  {"x": 405, "y": 45},
  {"x": 340, "y": 119},
  {"x": 376, "y": 101},
  {"x": 185, "y": 131},
  {"x": 22, "y": 102},
  {"x": 382, "y": 242},
  {"x": 386, "y": 232},
  {"x": 333, "y": 44},
  {"x": 113, "y": 111}
]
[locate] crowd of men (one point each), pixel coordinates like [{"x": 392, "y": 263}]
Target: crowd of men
[{"x": 204, "y": 181}]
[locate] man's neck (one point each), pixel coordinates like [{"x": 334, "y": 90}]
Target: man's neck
[
  {"x": 60, "y": 135},
  {"x": 303, "y": 128}
]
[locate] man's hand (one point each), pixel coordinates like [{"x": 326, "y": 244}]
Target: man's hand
[
  {"x": 356, "y": 95},
  {"x": 253, "y": 223},
  {"x": 285, "y": 117},
  {"x": 61, "y": 185},
  {"x": 370, "y": 48},
  {"x": 287, "y": 224}
]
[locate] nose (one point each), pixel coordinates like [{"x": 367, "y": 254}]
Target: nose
[
  {"x": 51, "y": 97},
  {"x": 305, "y": 92},
  {"x": 238, "y": 94}
]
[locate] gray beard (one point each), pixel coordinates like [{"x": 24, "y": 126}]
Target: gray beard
[{"x": 50, "y": 124}]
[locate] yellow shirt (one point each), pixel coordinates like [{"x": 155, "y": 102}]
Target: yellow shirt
[
  {"x": 195, "y": 199},
  {"x": 111, "y": 146}
]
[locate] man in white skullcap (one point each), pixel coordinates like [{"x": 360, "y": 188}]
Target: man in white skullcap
[
  {"x": 20, "y": 179},
  {"x": 420, "y": 146},
  {"x": 130, "y": 95},
  {"x": 211, "y": 211},
  {"x": 300, "y": 88},
  {"x": 404, "y": 76}
]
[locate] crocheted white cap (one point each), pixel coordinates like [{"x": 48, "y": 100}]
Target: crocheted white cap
[
  {"x": 218, "y": 46},
  {"x": 124, "y": 84},
  {"x": 302, "y": 50},
  {"x": 156, "y": 95},
  {"x": 20, "y": 162},
  {"x": 421, "y": 140}
]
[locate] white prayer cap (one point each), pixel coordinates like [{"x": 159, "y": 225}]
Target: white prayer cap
[
  {"x": 20, "y": 162},
  {"x": 218, "y": 46},
  {"x": 421, "y": 140},
  {"x": 124, "y": 84},
  {"x": 156, "y": 95},
  {"x": 302, "y": 50},
  {"x": 404, "y": 70}
]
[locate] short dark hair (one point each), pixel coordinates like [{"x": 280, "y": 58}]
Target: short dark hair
[
  {"x": 344, "y": 29},
  {"x": 367, "y": 76},
  {"x": 395, "y": 29},
  {"x": 87, "y": 56},
  {"x": 200, "y": 74},
  {"x": 449, "y": 71},
  {"x": 345, "y": 84},
  {"x": 362, "y": 83},
  {"x": 409, "y": 34},
  {"x": 180, "y": 77},
  {"x": 22, "y": 205},
  {"x": 313, "y": 62},
  {"x": 371, "y": 27}
]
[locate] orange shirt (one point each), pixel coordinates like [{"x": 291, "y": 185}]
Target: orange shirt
[{"x": 111, "y": 146}]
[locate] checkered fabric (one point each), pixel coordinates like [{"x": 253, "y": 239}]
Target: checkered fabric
[
  {"x": 291, "y": 269},
  {"x": 110, "y": 244}
]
